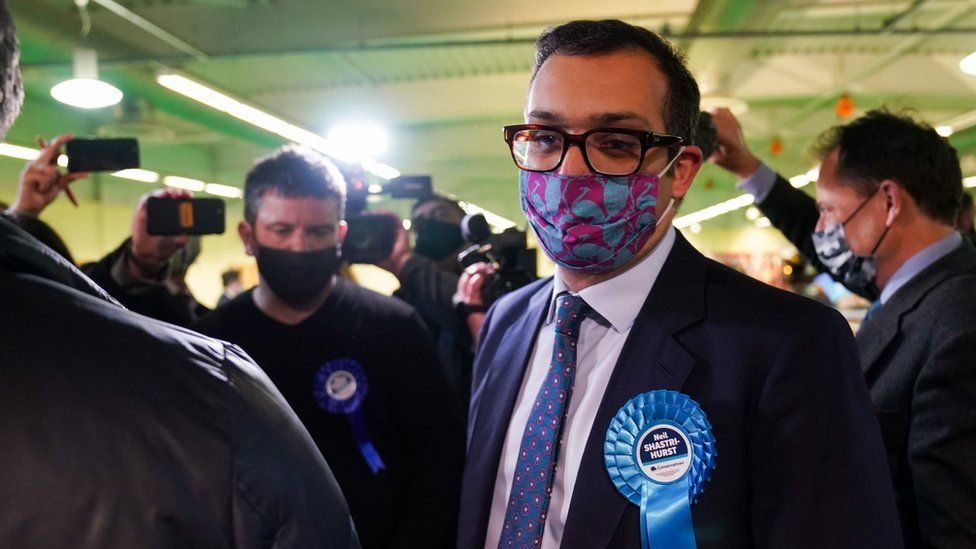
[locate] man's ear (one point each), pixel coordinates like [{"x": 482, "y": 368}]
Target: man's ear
[
  {"x": 685, "y": 169},
  {"x": 341, "y": 235},
  {"x": 896, "y": 200},
  {"x": 246, "y": 233}
]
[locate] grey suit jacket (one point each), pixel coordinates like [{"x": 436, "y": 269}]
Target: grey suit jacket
[
  {"x": 918, "y": 352},
  {"x": 919, "y": 358}
]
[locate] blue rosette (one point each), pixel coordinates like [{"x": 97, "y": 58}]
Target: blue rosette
[
  {"x": 340, "y": 387},
  {"x": 660, "y": 453}
]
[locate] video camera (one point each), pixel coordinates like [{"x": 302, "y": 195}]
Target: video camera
[
  {"x": 370, "y": 238},
  {"x": 515, "y": 263}
]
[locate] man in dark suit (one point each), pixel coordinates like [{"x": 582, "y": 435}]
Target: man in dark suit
[
  {"x": 894, "y": 185},
  {"x": 637, "y": 309}
]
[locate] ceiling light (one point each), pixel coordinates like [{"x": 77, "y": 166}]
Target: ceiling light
[
  {"x": 85, "y": 90},
  {"x": 184, "y": 183},
  {"x": 360, "y": 139},
  {"x": 763, "y": 222},
  {"x": 135, "y": 174},
  {"x": 944, "y": 131},
  {"x": 799, "y": 181},
  {"x": 492, "y": 218},
  {"x": 223, "y": 190},
  {"x": 753, "y": 213},
  {"x": 695, "y": 228},
  {"x": 714, "y": 210},
  {"x": 969, "y": 182},
  {"x": 256, "y": 117},
  {"x": 16, "y": 151},
  {"x": 737, "y": 106},
  {"x": 968, "y": 64}
]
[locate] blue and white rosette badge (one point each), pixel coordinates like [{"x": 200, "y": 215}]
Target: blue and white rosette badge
[
  {"x": 340, "y": 387},
  {"x": 660, "y": 453}
]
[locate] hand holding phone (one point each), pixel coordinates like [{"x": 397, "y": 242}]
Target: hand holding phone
[
  {"x": 184, "y": 216},
  {"x": 41, "y": 181}
]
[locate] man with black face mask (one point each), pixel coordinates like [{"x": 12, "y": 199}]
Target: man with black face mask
[
  {"x": 359, "y": 368},
  {"x": 428, "y": 276},
  {"x": 882, "y": 223}
]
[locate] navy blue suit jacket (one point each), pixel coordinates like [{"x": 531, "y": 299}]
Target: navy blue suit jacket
[{"x": 800, "y": 458}]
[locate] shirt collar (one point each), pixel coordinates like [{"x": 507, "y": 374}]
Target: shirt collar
[
  {"x": 620, "y": 298},
  {"x": 918, "y": 263}
]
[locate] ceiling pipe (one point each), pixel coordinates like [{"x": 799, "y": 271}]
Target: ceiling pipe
[{"x": 142, "y": 23}]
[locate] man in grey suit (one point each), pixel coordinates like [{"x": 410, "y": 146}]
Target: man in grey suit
[{"x": 882, "y": 224}]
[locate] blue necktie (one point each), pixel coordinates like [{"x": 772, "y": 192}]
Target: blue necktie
[
  {"x": 528, "y": 502},
  {"x": 870, "y": 313}
]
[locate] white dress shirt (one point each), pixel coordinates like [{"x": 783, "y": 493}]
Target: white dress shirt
[{"x": 617, "y": 302}]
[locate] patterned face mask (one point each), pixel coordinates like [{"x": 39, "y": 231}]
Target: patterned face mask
[
  {"x": 857, "y": 272},
  {"x": 592, "y": 223}
]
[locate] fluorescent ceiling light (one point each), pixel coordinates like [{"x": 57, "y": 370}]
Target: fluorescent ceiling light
[
  {"x": 763, "y": 222},
  {"x": 968, "y": 64},
  {"x": 737, "y": 106},
  {"x": 223, "y": 190},
  {"x": 714, "y": 210},
  {"x": 135, "y": 174},
  {"x": 360, "y": 139},
  {"x": 16, "y": 151},
  {"x": 185, "y": 183},
  {"x": 944, "y": 131},
  {"x": 753, "y": 213},
  {"x": 799, "y": 180},
  {"x": 85, "y": 90},
  {"x": 256, "y": 117},
  {"x": 739, "y": 202},
  {"x": 969, "y": 182},
  {"x": 492, "y": 218}
]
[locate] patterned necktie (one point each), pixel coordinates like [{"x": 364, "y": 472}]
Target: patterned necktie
[{"x": 528, "y": 502}]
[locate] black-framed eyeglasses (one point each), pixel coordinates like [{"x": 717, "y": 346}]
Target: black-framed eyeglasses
[{"x": 607, "y": 151}]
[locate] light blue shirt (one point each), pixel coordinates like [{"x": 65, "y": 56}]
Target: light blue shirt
[
  {"x": 759, "y": 184},
  {"x": 918, "y": 263}
]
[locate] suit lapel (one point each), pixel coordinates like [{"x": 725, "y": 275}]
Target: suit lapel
[
  {"x": 503, "y": 381},
  {"x": 651, "y": 359},
  {"x": 877, "y": 334}
]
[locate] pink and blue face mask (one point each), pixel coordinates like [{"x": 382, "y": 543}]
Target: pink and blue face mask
[{"x": 591, "y": 223}]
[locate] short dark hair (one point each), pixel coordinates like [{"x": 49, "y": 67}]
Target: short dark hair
[
  {"x": 682, "y": 103},
  {"x": 11, "y": 87},
  {"x": 886, "y": 145},
  {"x": 294, "y": 172}
]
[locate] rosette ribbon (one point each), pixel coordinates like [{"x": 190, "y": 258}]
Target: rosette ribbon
[
  {"x": 660, "y": 453},
  {"x": 340, "y": 387}
]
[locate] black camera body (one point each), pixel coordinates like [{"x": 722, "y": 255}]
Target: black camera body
[
  {"x": 370, "y": 238},
  {"x": 515, "y": 263}
]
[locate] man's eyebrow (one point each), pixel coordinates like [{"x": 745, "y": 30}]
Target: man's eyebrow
[
  {"x": 545, "y": 116},
  {"x": 610, "y": 118}
]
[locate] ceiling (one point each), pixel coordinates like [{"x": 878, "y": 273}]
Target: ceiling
[{"x": 443, "y": 76}]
